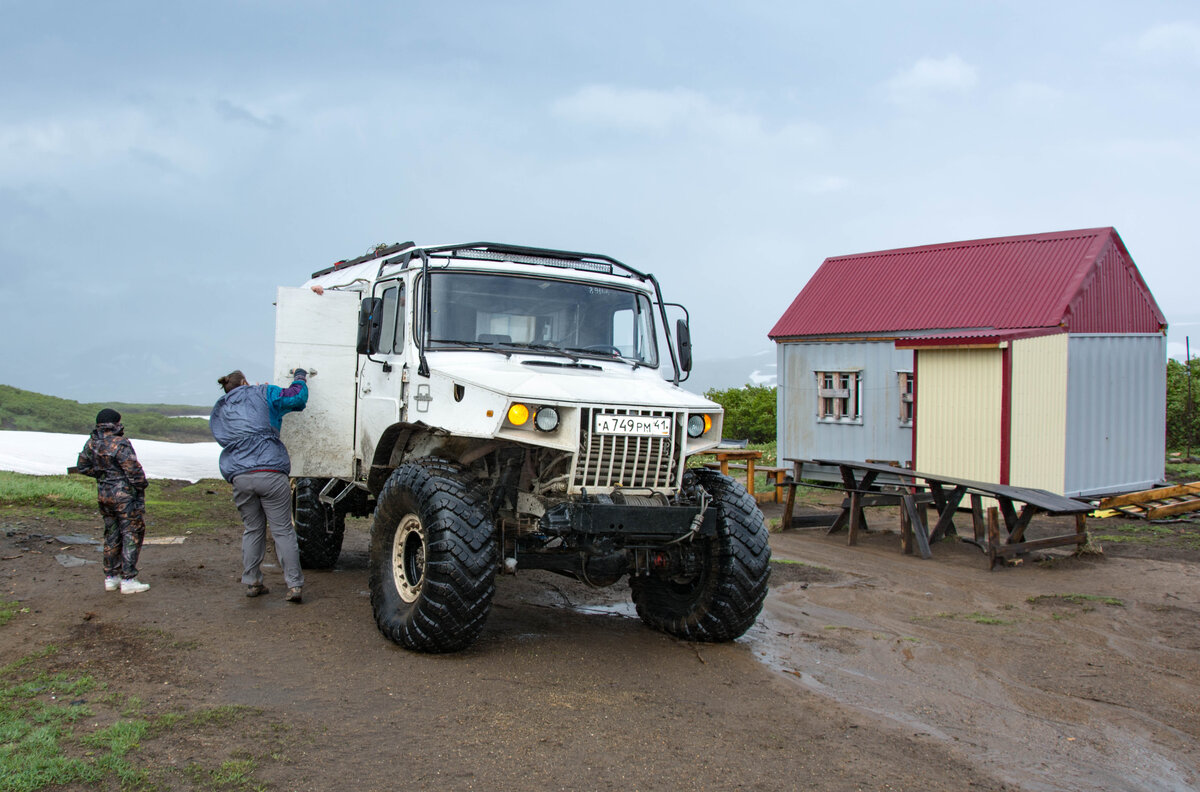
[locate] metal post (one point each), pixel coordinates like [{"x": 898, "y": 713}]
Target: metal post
[{"x": 1187, "y": 346}]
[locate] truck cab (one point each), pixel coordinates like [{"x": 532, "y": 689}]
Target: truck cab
[{"x": 497, "y": 408}]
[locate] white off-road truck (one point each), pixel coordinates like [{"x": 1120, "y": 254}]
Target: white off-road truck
[{"x": 501, "y": 408}]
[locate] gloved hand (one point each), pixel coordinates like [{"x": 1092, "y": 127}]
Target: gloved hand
[{"x": 299, "y": 374}]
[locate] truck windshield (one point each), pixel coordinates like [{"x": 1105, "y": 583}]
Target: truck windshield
[{"x": 471, "y": 309}]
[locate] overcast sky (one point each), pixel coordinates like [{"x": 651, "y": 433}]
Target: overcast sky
[{"x": 165, "y": 166}]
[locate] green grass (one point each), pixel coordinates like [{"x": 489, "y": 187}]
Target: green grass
[
  {"x": 1137, "y": 533},
  {"x": 1078, "y": 599},
  {"x": 47, "y": 490},
  {"x": 235, "y": 772},
  {"x": 35, "y": 412},
  {"x": 35, "y": 726},
  {"x": 63, "y": 728},
  {"x": 1184, "y": 471},
  {"x": 792, "y": 562},
  {"x": 170, "y": 509},
  {"x": 8, "y": 610},
  {"x": 976, "y": 617}
]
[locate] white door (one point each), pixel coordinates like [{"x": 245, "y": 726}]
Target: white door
[
  {"x": 319, "y": 332},
  {"x": 381, "y": 374}
]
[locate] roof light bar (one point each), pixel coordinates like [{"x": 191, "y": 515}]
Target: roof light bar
[{"x": 521, "y": 258}]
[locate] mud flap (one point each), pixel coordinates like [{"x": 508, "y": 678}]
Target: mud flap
[{"x": 319, "y": 333}]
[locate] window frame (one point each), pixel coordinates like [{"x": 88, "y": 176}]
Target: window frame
[
  {"x": 839, "y": 396},
  {"x": 906, "y": 386},
  {"x": 396, "y": 307}
]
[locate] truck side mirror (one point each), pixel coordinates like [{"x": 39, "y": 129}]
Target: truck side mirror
[
  {"x": 370, "y": 320},
  {"x": 684, "y": 337}
]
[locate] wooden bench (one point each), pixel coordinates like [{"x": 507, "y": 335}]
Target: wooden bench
[
  {"x": 741, "y": 457},
  {"x": 859, "y": 481},
  {"x": 776, "y": 476}
]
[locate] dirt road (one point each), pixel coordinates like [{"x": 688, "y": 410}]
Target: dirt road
[{"x": 869, "y": 671}]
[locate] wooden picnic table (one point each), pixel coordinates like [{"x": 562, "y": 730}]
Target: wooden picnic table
[
  {"x": 916, "y": 491},
  {"x": 727, "y": 455}
]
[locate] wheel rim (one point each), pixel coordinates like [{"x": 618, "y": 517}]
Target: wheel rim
[{"x": 408, "y": 557}]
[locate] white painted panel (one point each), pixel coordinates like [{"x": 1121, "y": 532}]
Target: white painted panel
[
  {"x": 1038, "y": 434},
  {"x": 958, "y": 413},
  {"x": 319, "y": 332}
]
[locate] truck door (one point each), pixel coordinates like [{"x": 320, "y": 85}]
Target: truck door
[
  {"x": 319, "y": 332},
  {"x": 381, "y": 376}
]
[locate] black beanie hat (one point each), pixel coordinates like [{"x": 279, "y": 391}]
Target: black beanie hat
[{"x": 108, "y": 415}]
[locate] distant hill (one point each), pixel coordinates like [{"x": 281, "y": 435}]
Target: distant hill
[{"x": 27, "y": 411}]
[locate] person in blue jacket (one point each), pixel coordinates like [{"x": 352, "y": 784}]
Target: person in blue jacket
[{"x": 246, "y": 422}]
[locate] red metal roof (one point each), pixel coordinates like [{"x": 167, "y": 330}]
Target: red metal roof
[
  {"x": 989, "y": 338},
  {"x": 1081, "y": 281}
]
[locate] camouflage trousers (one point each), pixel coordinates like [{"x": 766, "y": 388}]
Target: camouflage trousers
[{"x": 124, "y": 528}]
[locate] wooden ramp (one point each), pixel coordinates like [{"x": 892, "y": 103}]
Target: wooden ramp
[{"x": 1156, "y": 504}]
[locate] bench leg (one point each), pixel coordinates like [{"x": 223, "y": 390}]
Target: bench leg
[
  {"x": 856, "y": 517},
  {"x": 993, "y": 535},
  {"x": 977, "y": 524},
  {"x": 919, "y": 529},
  {"x": 787, "y": 509}
]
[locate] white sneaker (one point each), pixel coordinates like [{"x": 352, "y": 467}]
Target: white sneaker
[
  {"x": 133, "y": 586},
  {"x": 112, "y": 583}
]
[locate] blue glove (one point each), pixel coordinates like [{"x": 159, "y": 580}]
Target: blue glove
[{"x": 299, "y": 375}]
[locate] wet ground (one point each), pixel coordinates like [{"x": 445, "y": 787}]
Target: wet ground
[{"x": 868, "y": 670}]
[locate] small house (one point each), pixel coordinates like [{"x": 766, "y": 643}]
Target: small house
[{"x": 1035, "y": 361}]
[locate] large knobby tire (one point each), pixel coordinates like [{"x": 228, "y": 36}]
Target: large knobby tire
[
  {"x": 724, "y": 597},
  {"x": 319, "y": 529},
  {"x": 433, "y": 558}
]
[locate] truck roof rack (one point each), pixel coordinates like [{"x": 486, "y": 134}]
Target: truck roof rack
[
  {"x": 518, "y": 254},
  {"x": 382, "y": 250}
]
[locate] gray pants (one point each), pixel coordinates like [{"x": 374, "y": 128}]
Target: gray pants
[{"x": 264, "y": 498}]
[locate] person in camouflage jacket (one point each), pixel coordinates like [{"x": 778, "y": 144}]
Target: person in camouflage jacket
[{"x": 121, "y": 482}]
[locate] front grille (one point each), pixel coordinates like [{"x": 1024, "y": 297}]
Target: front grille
[{"x": 615, "y": 461}]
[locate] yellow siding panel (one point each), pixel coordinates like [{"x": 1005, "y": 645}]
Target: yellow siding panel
[
  {"x": 1039, "y": 413},
  {"x": 958, "y": 413}
]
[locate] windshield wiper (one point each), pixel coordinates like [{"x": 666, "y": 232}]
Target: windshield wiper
[
  {"x": 472, "y": 345},
  {"x": 550, "y": 348},
  {"x": 592, "y": 353}
]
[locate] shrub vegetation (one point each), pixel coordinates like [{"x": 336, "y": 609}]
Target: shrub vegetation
[
  {"x": 1183, "y": 429},
  {"x": 749, "y": 412}
]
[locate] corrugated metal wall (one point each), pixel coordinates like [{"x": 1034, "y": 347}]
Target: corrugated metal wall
[
  {"x": 1116, "y": 412},
  {"x": 958, "y": 413},
  {"x": 880, "y": 434},
  {"x": 1037, "y": 456}
]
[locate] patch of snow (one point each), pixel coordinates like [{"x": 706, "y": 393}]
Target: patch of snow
[
  {"x": 51, "y": 453},
  {"x": 759, "y": 377}
]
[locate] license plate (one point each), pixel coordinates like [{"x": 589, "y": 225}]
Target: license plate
[{"x": 634, "y": 425}]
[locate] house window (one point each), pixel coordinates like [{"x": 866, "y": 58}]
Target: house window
[
  {"x": 905, "y": 379},
  {"x": 838, "y": 396}
]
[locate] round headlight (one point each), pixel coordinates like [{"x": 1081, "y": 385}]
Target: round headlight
[
  {"x": 518, "y": 414},
  {"x": 546, "y": 419},
  {"x": 696, "y": 425}
]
